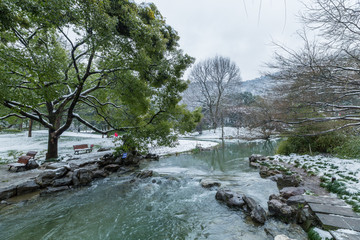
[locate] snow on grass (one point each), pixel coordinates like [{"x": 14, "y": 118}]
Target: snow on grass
[
  {"x": 324, "y": 235},
  {"x": 14, "y": 145},
  {"x": 229, "y": 133},
  {"x": 183, "y": 146},
  {"x": 345, "y": 172}
]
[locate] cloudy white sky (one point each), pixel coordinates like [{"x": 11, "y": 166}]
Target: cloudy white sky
[{"x": 240, "y": 29}]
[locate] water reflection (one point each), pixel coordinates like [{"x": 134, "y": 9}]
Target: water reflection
[{"x": 233, "y": 157}]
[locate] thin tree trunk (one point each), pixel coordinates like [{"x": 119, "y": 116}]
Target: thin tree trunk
[
  {"x": 21, "y": 125},
  {"x": 30, "y": 127},
  {"x": 222, "y": 126}
]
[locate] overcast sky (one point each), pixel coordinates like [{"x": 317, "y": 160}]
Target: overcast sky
[{"x": 240, "y": 29}]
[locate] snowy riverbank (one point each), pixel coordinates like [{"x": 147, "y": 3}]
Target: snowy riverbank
[{"x": 14, "y": 145}]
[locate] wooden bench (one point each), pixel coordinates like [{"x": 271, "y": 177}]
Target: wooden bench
[
  {"x": 22, "y": 162},
  {"x": 82, "y": 147},
  {"x": 31, "y": 154}
]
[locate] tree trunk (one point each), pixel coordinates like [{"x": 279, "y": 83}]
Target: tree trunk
[
  {"x": 222, "y": 126},
  {"x": 52, "y": 146},
  {"x": 30, "y": 127},
  {"x": 21, "y": 125}
]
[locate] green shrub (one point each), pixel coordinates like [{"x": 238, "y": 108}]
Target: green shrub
[
  {"x": 303, "y": 141},
  {"x": 311, "y": 144},
  {"x": 349, "y": 149}
]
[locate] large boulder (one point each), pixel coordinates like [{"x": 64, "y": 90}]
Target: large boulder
[
  {"x": 99, "y": 174},
  {"x": 297, "y": 200},
  {"x": 225, "y": 194},
  {"x": 250, "y": 202},
  {"x": 230, "y": 198},
  {"x": 258, "y": 214},
  {"x": 291, "y": 191},
  {"x": 288, "y": 181},
  {"x": 47, "y": 178},
  {"x": 66, "y": 181},
  {"x": 235, "y": 202},
  {"x": 132, "y": 159},
  {"x": 82, "y": 177},
  {"x": 281, "y": 210},
  {"x": 107, "y": 159},
  {"x": 27, "y": 187},
  {"x": 112, "y": 168},
  {"x": 7, "y": 192}
]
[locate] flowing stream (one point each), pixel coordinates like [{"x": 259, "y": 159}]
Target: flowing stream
[{"x": 170, "y": 205}]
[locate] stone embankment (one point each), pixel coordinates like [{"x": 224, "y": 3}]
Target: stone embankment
[
  {"x": 62, "y": 176},
  {"x": 294, "y": 204}
]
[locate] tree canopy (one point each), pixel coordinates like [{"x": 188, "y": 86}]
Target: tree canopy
[{"x": 118, "y": 59}]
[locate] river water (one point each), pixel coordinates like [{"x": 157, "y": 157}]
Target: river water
[{"x": 170, "y": 205}]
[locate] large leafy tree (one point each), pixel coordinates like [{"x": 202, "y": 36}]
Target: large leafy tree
[{"x": 119, "y": 59}]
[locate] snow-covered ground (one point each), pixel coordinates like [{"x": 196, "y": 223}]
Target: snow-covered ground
[
  {"x": 346, "y": 172},
  {"x": 14, "y": 145},
  {"x": 229, "y": 133},
  {"x": 183, "y": 146}
]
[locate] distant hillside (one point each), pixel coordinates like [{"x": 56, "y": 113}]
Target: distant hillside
[{"x": 259, "y": 86}]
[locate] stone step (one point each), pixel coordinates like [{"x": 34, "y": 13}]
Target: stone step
[
  {"x": 324, "y": 200},
  {"x": 337, "y": 210},
  {"x": 345, "y": 235},
  {"x": 335, "y": 222}
]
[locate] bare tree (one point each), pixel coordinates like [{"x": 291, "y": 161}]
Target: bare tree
[
  {"x": 324, "y": 76},
  {"x": 212, "y": 80}
]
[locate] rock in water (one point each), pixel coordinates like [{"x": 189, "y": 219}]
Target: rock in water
[
  {"x": 250, "y": 202},
  {"x": 258, "y": 214},
  {"x": 235, "y": 202},
  {"x": 206, "y": 183},
  {"x": 145, "y": 174}
]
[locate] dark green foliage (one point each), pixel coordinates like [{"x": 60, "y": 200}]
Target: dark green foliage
[
  {"x": 337, "y": 187},
  {"x": 350, "y": 148},
  {"x": 301, "y": 144}
]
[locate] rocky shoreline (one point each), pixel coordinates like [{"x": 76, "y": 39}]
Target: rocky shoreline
[
  {"x": 297, "y": 192},
  {"x": 61, "y": 176},
  {"x": 301, "y": 199}
]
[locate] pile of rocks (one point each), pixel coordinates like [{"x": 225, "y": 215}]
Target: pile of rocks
[
  {"x": 63, "y": 176},
  {"x": 239, "y": 201},
  {"x": 289, "y": 206}
]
